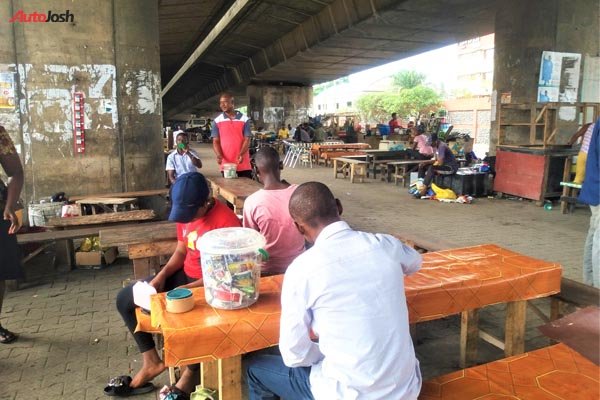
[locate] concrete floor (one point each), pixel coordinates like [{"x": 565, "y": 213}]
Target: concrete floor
[{"x": 72, "y": 339}]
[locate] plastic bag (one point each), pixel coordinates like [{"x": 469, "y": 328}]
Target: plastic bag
[{"x": 443, "y": 193}]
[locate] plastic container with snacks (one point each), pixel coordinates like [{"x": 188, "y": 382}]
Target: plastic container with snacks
[
  {"x": 231, "y": 263},
  {"x": 229, "y": 170}
]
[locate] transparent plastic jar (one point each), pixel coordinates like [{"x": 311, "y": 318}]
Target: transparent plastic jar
[{"x": 231, "y": 263}]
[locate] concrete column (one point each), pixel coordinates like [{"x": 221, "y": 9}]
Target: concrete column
[
  {"x": 271, "y": 106},
  {"x": 524, "y": 29},
  {"x": 108, "y": 51}
]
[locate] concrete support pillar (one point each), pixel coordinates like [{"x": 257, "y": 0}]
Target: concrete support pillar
[
  {"x": 523, "y": 30},
  {"x": 272, "y": 106},
  {"x": 109, "y": 52}
]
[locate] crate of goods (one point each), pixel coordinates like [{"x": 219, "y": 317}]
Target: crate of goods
[
  {"x": 39, "y": 214},
  {"x": 90, "y": 255}
]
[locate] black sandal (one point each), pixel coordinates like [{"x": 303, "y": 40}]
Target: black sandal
[{"x": 6, "y": 336}]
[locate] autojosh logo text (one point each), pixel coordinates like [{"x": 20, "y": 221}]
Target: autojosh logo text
[{"x": 50, "y": 16}]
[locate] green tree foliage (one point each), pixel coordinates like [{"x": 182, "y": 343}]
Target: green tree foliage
[
  {"x": 418, "y": 100},
  {"x": 408, "y": 103},
  {"x": 408, "y": 79}
]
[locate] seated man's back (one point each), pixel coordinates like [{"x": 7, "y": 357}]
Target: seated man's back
[
  {"x": 353, "y": 284},
  {"x": 266, "y": 211}
]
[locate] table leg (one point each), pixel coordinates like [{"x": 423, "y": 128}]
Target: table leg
[
  {"x": 515, "y": 328},
  {"x": 469, "y": 334},
  {"x": 335, "y": 174},
  {"x": 238, "y": 206},
  {"x": 352, "y": 171}
]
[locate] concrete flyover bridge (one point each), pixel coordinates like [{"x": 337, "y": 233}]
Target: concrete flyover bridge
[{"x": 268, "y": 52}]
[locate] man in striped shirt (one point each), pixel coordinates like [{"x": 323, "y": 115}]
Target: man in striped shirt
[{"x": 231, "y": 137}]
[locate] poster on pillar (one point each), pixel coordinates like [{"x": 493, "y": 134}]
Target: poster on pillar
[
  {"x": 7, "y": 90},
  {"x": 559, "y": 77}
]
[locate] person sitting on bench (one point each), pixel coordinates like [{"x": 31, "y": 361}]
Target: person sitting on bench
[
  {"x": 265, "y": 211},
  {"x": 195, "y": 213},
  {"x": 444, "y": 163}
]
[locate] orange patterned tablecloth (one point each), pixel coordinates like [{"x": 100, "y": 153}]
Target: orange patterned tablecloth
[
  {"x": 449, "y": 282},
  {"x": 552, "y": 373}
]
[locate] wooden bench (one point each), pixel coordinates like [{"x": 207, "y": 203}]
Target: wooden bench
[
  {"x": 146, "y": 243},
  {"x": 345, "y": 166},
  {"x": 401, "y": 170},
  {"x": 554, "y": 372},
  {"x": 330, "y": 155}
]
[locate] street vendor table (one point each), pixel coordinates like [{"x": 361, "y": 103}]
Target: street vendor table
[
  {"x": 450, "y": 282},
  {"x": 235, "y": 191},
  {"x": 373, "y": 156}
]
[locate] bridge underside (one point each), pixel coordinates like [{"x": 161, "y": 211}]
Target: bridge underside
[{"x": 298, "y": 43}]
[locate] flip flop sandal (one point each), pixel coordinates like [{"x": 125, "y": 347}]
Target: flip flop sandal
[
  {"x": 119, "y": 387},
  {"x": 6, "y": 336},
  {"x": 172, "y": 393}
]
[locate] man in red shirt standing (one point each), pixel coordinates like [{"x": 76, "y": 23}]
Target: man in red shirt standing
[{"x": 231, "y": 137}]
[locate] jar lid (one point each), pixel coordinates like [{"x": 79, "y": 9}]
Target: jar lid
[
  {"x": 179, "y": 293},
  {"x": 231, "y": 241}
]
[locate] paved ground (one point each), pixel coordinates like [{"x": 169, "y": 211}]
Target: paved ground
[{"x": 72, "y": 339}]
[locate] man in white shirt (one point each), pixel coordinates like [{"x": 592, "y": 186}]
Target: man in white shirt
[
  {"x": 183, "y": 159},
  {"x": 348, "y": 290}
]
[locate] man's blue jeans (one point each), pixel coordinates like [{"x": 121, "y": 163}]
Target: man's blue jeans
[{"x": 270, "y": 379}]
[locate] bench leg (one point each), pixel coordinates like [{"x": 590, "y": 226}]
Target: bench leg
[
  {"x": 515, "y": 328},
  {"x": 145, "y": 267},
  {"x": 335, "y": 169},
  {"x": 352, "y": 171},
  {"x": 469, "y": 334},
  {"x": 64, "y": 255}
]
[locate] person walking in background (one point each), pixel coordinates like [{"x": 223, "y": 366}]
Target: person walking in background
[
  {"x": 348, "y": 291},
  {"x": 231, "y": 137},
  {"x": 182, "y": 159},
  {"x": 265, "y": 212},
  {"x": 590, "y": 194},
  {"x": 10, "y": 257}
]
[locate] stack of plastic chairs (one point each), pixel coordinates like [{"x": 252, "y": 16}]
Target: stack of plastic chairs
[{"x": 297, "y": 152}]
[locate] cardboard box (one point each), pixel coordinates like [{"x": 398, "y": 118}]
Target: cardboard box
[{"x": 95, "y": 259}]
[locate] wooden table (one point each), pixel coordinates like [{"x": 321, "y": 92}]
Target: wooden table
[
  {"x": 450, "y": 282},
  {"x": 375, "y": 155},
  {"x": 235, "y": 191},
  {"x": 139, "y": 193}
]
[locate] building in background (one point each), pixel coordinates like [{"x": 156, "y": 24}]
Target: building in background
[{"x": 469, "y": 109}]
